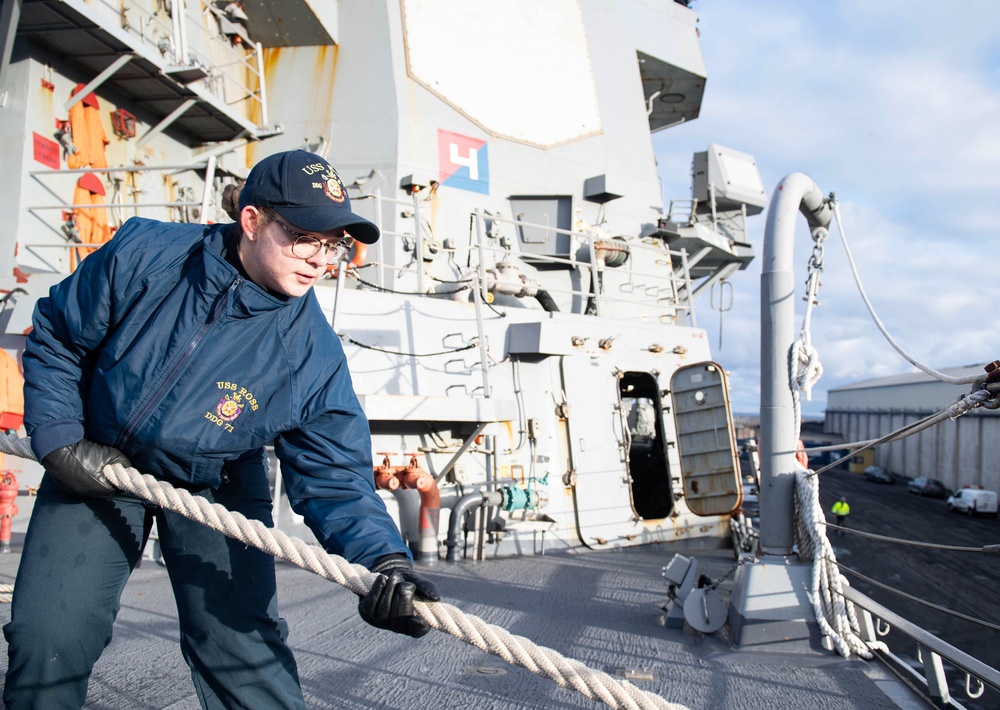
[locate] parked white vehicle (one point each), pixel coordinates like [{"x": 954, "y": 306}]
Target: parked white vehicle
[{"x": 973, "y": 501}]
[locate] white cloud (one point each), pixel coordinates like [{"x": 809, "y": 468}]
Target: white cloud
[{"x": 896, "y": 108}]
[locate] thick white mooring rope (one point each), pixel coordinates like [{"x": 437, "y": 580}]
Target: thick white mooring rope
[
  {"x": 835, "y": 615},
  {"x": 516, "y": 650},
  {"x": 444, "y": 617}
]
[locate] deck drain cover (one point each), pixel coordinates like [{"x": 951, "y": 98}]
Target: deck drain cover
[{"x": 485, "y": 670}]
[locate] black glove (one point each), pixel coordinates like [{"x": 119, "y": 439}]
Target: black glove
[
  {"x": 389, "y": 603},
  {"x": 79, "y": 467}
]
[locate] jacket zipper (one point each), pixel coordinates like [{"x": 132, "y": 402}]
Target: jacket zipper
[{"x": 178, "y": 366}]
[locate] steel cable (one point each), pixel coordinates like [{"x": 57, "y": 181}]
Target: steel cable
[
  {"x": 906, "y": 431},
  {"x": 878, "y": 322},
  {"x": 351, "y": 340},
  {"x": 910, "y": 577},
  {"x": 918, "y": 600},
  {"x": 992, "y": 550}
]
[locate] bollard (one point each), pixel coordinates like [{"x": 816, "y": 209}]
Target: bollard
[{"x": 8, "y": 508}]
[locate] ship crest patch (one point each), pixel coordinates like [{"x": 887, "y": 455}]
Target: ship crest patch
[
  {"x": 229, "y": 407},
  {"x": 234, "y": 400},
  {"x": 332, "y": 187}
]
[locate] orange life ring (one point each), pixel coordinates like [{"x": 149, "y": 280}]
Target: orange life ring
[{"x": 359, "y": 252}]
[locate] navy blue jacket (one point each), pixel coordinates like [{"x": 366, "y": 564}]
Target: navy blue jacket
[{"x": 157, "y": 346}]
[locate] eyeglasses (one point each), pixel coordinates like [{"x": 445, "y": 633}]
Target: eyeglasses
[{"x": 305, "y": 246}]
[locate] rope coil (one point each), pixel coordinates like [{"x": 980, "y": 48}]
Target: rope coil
[{"x": 835, "y": 615}]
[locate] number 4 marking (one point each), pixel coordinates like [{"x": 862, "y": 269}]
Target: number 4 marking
[{"x": 471, "y": 161}]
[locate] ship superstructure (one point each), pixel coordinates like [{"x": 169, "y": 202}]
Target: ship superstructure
[{"x": 524, "y": 337}]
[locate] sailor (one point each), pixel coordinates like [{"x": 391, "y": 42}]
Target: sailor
[
  {"x": 184, "y": 349},
  {"x": 841, "y": 509}
]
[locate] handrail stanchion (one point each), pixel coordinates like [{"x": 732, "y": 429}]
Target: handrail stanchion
[
  {"x": 480, "y": 251},
  {"x": 595, "y": 274},
  {"x": 478, "y": 282},
  {"x": 261, "y": 84},
  {"x": 688, "y": 300},
  {"x": 206, "y": 195},
  {"x": 483, "y": 363},
  {"x": 418, "y": 243}
]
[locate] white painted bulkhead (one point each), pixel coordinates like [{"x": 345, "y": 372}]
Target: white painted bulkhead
[{"x": 541, "y": 387}]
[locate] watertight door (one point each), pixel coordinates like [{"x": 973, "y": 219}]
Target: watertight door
[
  {"x": 705, "y": 441},
  {"x": 598, "y": 476},
  {"x": 648, "y": 462}
]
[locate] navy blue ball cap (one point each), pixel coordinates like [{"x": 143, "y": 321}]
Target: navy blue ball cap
[{"x": 306, "y": 191}]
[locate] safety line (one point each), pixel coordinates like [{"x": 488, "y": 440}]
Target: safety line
[
  {"x": 918, "y": 600},
  {"x": 402, "y": 354},
  {"x": 912, "y": 578},
  {"x": 991, "y": 550}
]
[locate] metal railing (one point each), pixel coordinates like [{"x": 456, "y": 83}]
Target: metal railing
[
  {"x": 876, "y": 621},
  {"x": 667, "y": 285},
  {"x": 183, "y": 40},
  {"x": 686, "y": 210},
  {"x": 118, "y": 206}
]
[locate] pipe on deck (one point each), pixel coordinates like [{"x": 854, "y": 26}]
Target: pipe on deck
[
  {"x": 413, "y": 477},
  {"x": 464, "y": 505}
]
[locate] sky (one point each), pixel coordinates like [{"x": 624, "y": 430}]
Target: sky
[{"x": 894, "y": 105}]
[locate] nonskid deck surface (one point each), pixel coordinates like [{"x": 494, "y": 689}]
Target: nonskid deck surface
[{"x": 600, "y": 608}]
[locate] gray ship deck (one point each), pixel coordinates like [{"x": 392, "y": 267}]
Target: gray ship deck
[{"x": 599, "y": 608}]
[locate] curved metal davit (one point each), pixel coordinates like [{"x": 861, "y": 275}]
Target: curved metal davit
[
  {"x": 770, "y": 609},
  {"x": 796, "y": 193}
]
